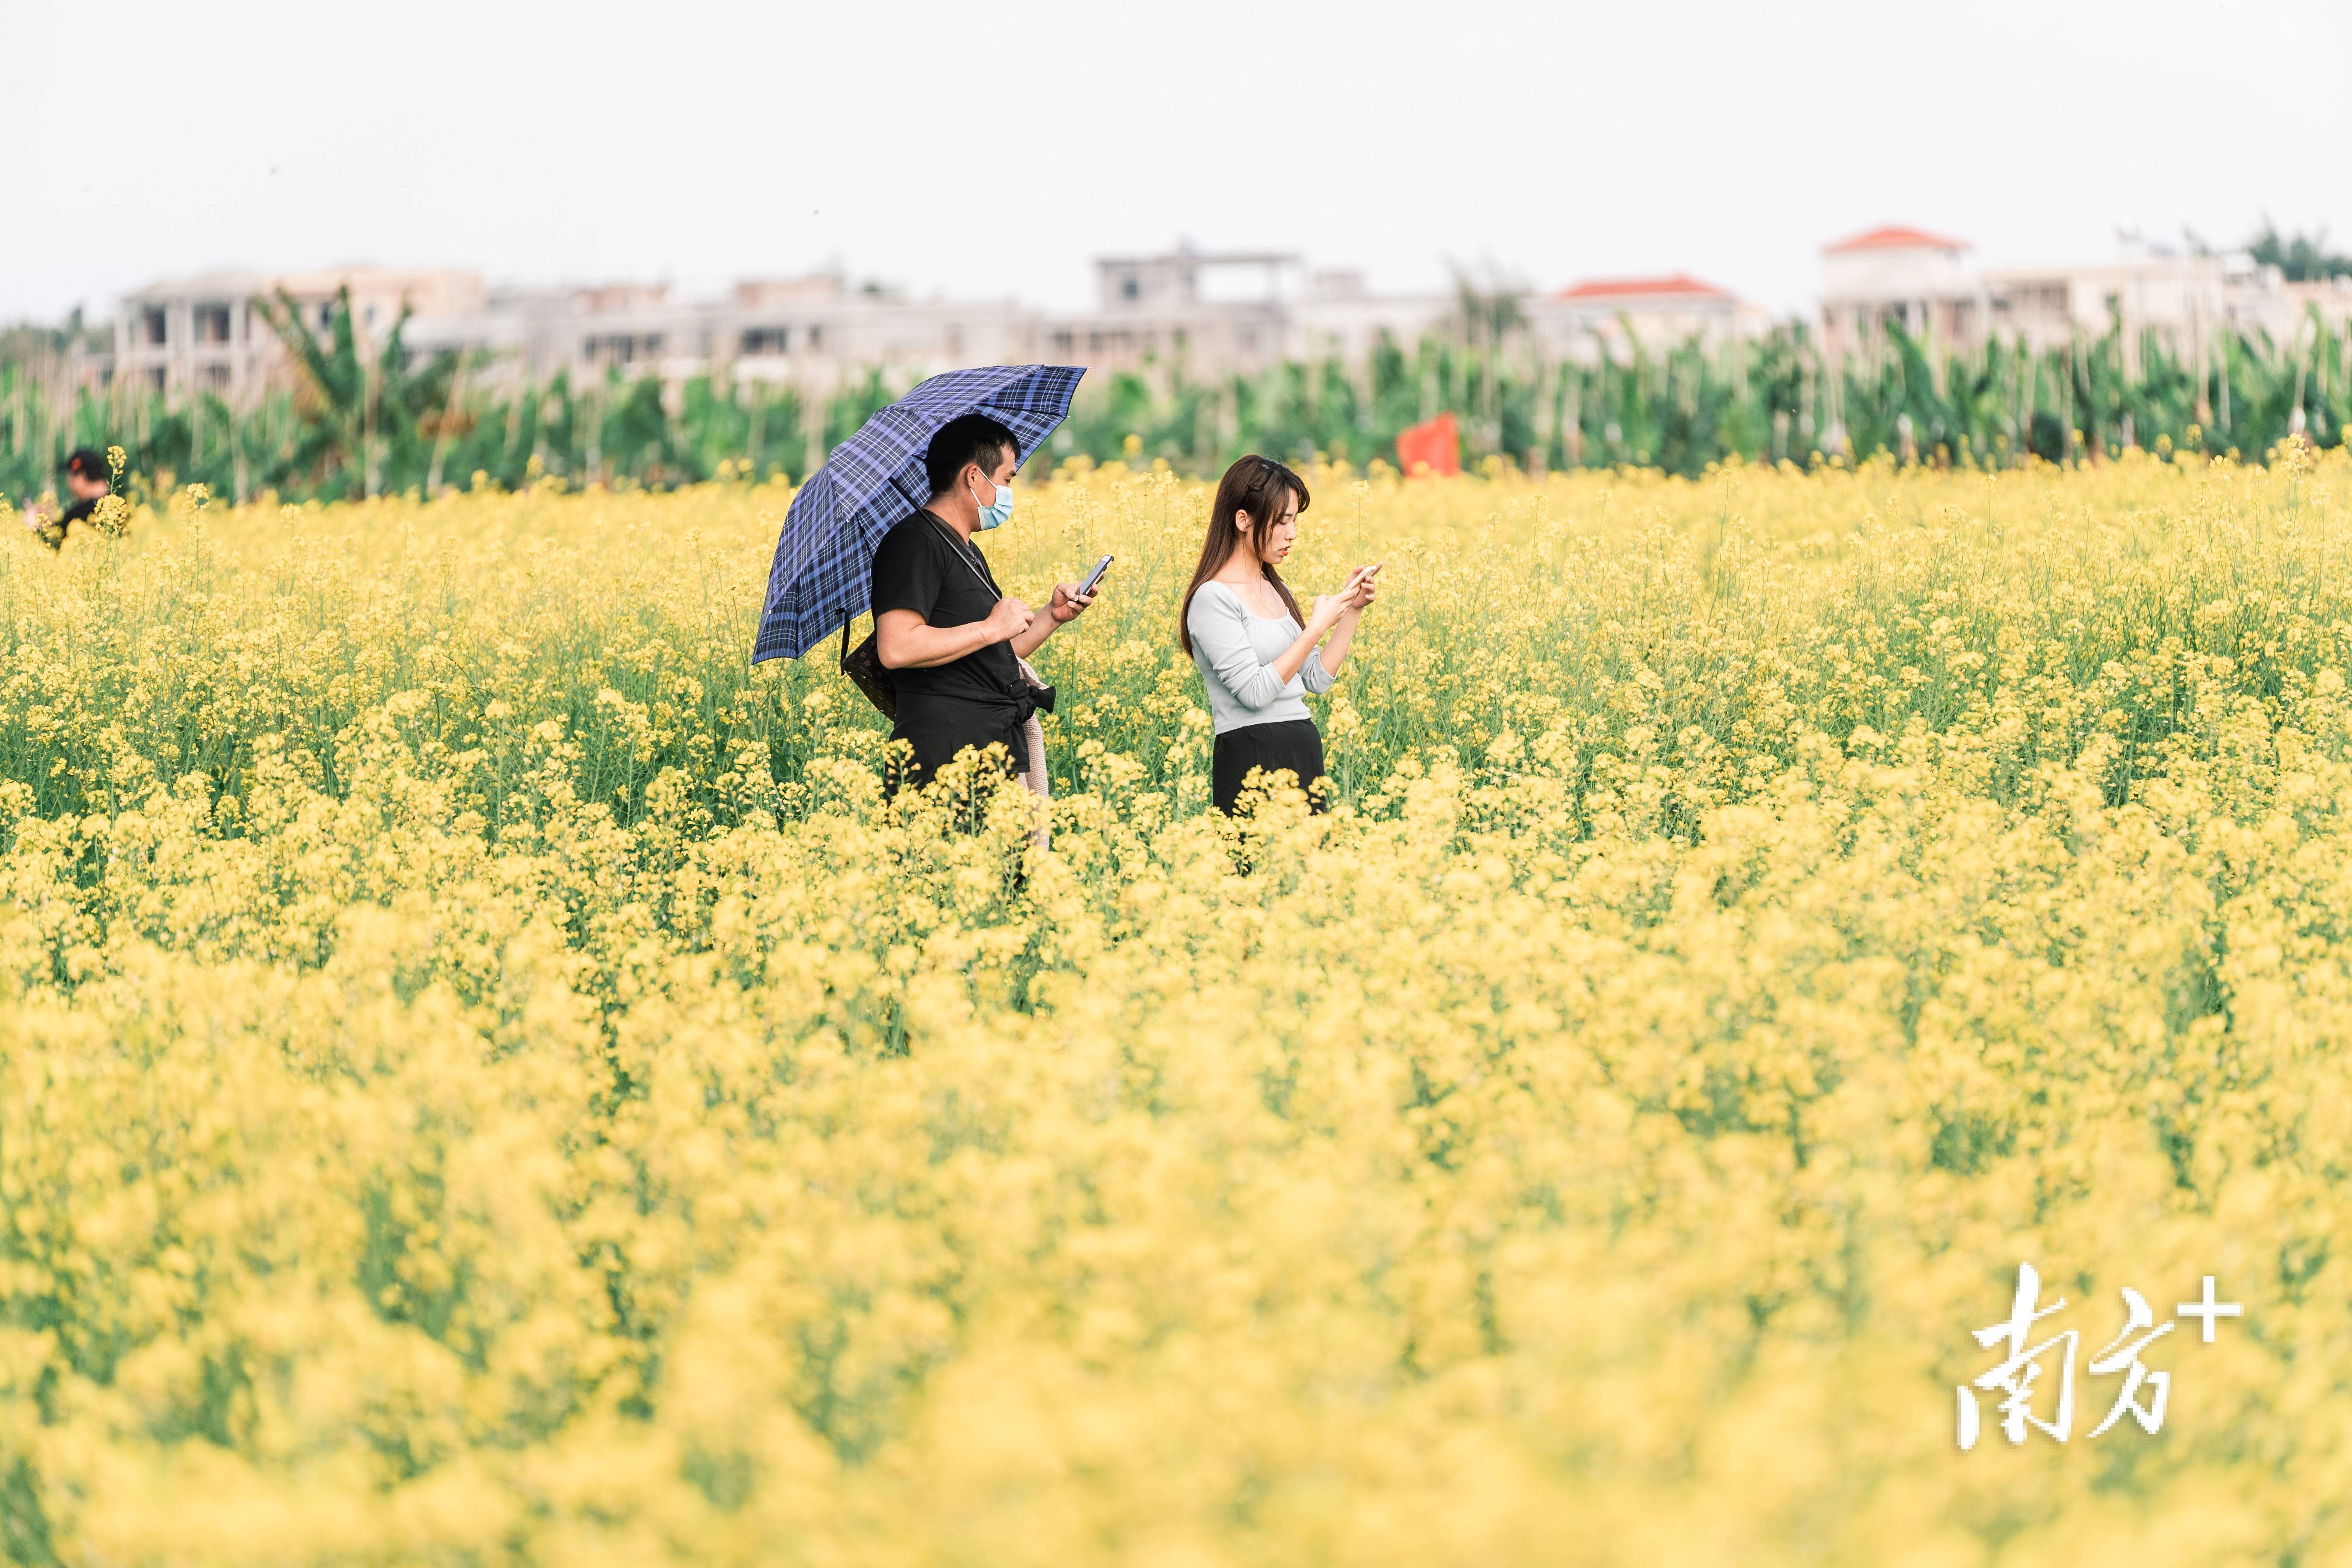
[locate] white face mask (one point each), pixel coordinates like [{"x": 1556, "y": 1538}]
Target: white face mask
[{"x": 993, "y": 515}]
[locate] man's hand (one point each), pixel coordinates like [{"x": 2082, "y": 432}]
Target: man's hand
[
  {"x": 1070, "y": 603},
  {"x": 1009, "y": 619}
]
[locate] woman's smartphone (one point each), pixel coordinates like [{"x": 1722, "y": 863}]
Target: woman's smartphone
[{"x": 1094, "y": 576}]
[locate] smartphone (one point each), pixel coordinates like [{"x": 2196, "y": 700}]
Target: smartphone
[{"x": 1094, "y": 576}]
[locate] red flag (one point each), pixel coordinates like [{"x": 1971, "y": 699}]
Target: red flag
[{"x": 1434, "y": 443}]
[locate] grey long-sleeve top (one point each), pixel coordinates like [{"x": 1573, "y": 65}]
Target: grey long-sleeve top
[{"x": 1234, "y": 648}]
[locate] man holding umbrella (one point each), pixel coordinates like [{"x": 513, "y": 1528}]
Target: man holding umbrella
[
  {"x": 887, "y": 524},
  {"x": 952, "y": 641}
]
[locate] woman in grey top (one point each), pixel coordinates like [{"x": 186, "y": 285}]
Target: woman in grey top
[{"x": 1257, "y": 654}]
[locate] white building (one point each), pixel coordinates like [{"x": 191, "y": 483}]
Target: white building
[
  {"x": 1338, "y": 318},
  {"x": 1926, "y": 283},
  {"x": 1919, "y": 280},
  {"x": 2187, "y": 299},
  {"x": 1608, "y": 317},
  {"x": 808, "y": 331},
  {"x": 2330, "y": 299},
  {"x": 1209, "y": 313},
  {"x": 204, "y": 333}
]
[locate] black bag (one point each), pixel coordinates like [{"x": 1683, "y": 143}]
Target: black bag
[{"x": 863, "y": 664}]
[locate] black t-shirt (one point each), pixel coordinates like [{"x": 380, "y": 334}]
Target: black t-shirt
[
  {"x": 54, "y": 534},
  {"x": 922, "y": 566}
]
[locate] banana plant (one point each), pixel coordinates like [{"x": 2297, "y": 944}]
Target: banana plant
[{"x": 360, "y": 412}]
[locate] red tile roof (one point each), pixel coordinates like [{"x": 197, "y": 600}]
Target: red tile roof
[
  {"x": 1681, "y": 283},
  {"x": 1895, "y": 237}
]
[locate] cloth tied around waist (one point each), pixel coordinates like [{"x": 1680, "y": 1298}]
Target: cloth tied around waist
[{"x": 1036, "y": 697}]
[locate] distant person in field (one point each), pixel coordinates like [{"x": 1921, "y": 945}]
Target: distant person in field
[
  {"x": 1257, "y": 655},
  {"x": 952, "y": 640},
  {"x": 86, "y": 480}
]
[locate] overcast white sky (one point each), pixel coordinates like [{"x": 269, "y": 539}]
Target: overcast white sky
[{"x": 991, "y": 147}]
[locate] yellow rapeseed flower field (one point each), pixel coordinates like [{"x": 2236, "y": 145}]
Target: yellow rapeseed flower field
[{"x": 486, "y": 1079}]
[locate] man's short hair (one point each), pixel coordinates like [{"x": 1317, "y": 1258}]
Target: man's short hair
[
  {"x": 86, "y": 463},
  {"x": 969, "y": 438}
]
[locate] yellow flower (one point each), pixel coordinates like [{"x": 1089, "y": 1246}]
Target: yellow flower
[{"x": 484, "y": 1073}]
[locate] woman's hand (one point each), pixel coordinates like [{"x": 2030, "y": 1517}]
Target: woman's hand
[
  {"x": 1363, "y": 587},
  {"x": 1329, "y": 608}
]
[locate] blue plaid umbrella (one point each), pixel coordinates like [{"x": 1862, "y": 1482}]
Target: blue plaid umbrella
[{"x": 825, "y": 557}]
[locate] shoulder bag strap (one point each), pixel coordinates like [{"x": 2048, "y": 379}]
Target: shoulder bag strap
[{"x": 963, "y": 553}]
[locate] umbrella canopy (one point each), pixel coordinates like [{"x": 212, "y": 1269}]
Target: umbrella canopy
[{"x": 825, "y": 557}]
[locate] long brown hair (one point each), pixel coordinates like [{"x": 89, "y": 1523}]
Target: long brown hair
[{"x": 1254, "y": 485}]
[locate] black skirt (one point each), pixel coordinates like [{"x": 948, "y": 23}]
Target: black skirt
[{"x": 1295, "y": 744}]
